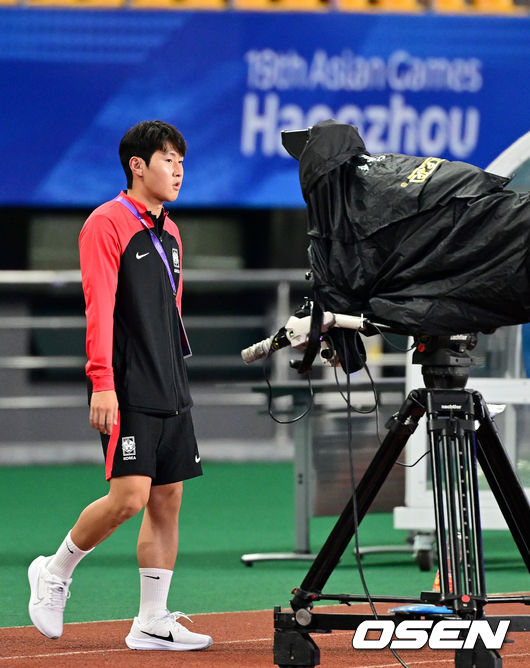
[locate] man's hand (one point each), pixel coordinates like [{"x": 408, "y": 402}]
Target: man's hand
[{"x": 104, "y": 411}]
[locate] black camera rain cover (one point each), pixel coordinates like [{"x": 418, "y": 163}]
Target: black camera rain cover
[{"x": 422, "y": 244}]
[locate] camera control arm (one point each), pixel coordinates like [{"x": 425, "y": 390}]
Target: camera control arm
[{"x": 296, "y": 334}]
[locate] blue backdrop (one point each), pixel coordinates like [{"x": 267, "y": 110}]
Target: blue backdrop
[{"x": 73, "y": 81}]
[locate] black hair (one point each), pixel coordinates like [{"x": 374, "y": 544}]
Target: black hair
[{"x": 146, "y": 137}]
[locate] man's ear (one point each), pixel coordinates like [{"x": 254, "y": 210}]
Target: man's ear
[{"x": 137, "y": 166}]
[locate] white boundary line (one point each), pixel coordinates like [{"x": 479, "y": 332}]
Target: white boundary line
[
  {"x": 110, "y": 621},
  {"x": 115, "y": 649},
  {"x": 228, "y": 612},
  {"x": 430, "y": 662},
  {"x": 196, "y": 614},
  {"x": 58, "y": 654}
]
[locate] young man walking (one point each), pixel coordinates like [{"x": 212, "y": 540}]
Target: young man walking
[{"x": 131, "y": 255}]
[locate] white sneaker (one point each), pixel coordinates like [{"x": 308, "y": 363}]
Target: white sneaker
[
  {"x": 49, "y": 594},
  {"x": 165, "y": 633}
]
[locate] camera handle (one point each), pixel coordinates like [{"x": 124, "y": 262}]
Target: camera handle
[{"x": 303, "y": 333}]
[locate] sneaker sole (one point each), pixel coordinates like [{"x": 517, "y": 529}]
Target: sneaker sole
[
  {"x": 32, "y": 577},
  {"x": 155, "y": 644}
]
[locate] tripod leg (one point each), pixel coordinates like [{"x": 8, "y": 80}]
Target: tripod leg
[
  {"x": 451, "y": 429},
  {"x": 439, "y": 505},
  {"x": 403, "y": 425},
  {"x": 480, "y": 657},
  {"x": 472, "y": 552},
  {"x": 503, "y": 480}
]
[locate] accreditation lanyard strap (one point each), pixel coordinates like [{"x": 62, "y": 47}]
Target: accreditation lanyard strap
[
  {"x": 156, "y": 241},
  {"x": 186, "y": 349}
]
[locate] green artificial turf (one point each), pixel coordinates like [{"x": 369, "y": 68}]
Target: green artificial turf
[{"x": 233, "y": 509}]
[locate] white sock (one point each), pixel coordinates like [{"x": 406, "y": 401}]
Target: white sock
[
  {"x": 63, "y": 562},
  {"x": 154, "y": 589}
]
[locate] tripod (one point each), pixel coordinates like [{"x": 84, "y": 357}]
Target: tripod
[{"x": 456, "y": 444}]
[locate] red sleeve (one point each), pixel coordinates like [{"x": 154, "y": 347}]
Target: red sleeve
[{"x": 99, "y": 253}]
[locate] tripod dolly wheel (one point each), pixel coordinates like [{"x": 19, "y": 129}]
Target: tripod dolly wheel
[
  {"x": 425, "y": 560},
  {"x": 423, "y": 550}
]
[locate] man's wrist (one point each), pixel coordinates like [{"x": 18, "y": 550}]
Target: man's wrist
[{"x": 102, "y": 383}]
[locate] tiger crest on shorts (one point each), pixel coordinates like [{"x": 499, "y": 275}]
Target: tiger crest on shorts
[{"x": 128, "y": 446}]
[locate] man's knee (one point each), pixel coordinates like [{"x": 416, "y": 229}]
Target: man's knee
[
  {"x": 123, "y": 509},
  {"x": 127, "y": 499},
  {"x": 165, "y": 499}
]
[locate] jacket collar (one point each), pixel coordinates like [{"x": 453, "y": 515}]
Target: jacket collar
[{"x": 142, "y": 209}]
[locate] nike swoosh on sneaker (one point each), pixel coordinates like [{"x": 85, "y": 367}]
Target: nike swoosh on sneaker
[
  {"x": 139, "y": 257},
  {"x": 169, "y": 636}
]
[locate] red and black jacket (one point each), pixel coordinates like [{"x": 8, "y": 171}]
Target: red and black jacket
[{"x": 134, "y": 331}]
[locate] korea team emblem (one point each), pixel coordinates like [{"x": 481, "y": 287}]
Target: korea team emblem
[
  {"x": 128, "y": 447},
  {"x": 176, "y": 261}
]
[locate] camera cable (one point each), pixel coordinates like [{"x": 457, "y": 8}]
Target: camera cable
[
  {"x": 350, "y": 410},
  {"x": 375, "y": 407},
  {"x": 310, "y": 403}
]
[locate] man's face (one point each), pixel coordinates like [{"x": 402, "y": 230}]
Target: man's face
[{"x": 162, "y": 178}]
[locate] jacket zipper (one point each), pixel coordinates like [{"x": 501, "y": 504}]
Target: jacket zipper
[{"x": 172, "y": 339}]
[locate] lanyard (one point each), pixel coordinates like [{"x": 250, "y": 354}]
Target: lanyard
[
  {"x": 155, "y": 239},
  {"x": 186, "y": 349}
]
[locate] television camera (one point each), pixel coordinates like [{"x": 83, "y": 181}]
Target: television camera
[{"x": 432, "y": 249}]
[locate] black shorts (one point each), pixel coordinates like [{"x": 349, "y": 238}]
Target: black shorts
[{"x": 163, "y": 448}]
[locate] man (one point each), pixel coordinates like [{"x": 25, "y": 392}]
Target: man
[{"x": 130, "y": 254}]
